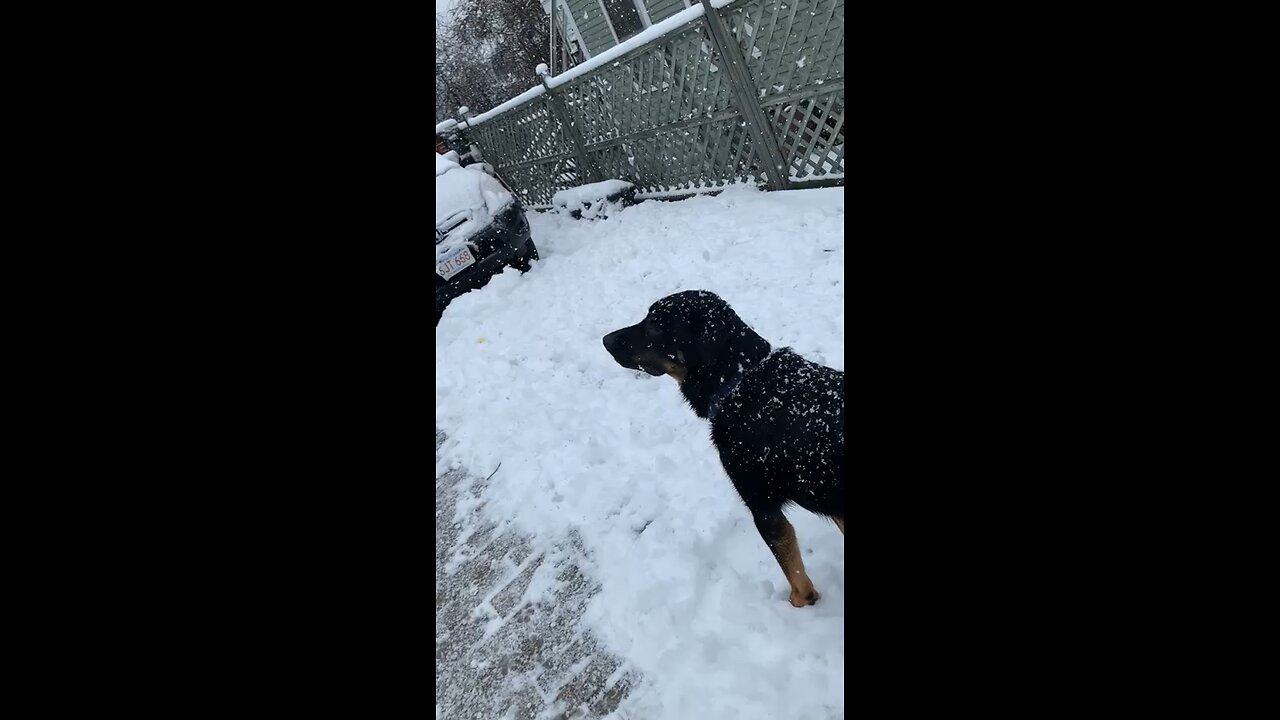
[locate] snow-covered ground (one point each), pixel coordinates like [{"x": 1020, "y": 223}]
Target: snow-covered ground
[{"x": 689, "y": 596}]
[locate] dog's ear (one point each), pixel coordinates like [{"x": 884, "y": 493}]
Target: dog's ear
[
  {"x": 724, "y": 338},
  {"x": 716, "y": 330},
  {"x": 709, "y": 341}
]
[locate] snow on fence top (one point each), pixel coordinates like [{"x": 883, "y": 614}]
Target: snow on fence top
[
  {"x": 653, "y": 32},
  {"x": 520, "y": 99},
  {"x": 446, "y": 126}
]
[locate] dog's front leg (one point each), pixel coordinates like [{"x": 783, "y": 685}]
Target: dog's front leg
[{"x": 780, "y": 536}]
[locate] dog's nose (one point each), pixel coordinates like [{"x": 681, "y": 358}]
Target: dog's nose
[{"x": 611, "y": 341}]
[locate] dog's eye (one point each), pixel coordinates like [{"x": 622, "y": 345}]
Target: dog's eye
[{"x": 652, "y": 329}]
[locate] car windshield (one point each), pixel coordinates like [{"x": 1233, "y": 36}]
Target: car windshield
[{"x": 444, "y": 165}]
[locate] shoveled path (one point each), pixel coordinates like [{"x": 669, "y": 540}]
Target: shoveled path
[{"x": 509, "y": 644}]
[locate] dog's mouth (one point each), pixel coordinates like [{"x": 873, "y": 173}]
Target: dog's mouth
[
  {"x": 651, "y": 369},
  {"x": 657, "y": 363},
  {"x": 640, "y": 365},
  {"x": 643, "y": 356},
  {"x": 652, "y": 362}
]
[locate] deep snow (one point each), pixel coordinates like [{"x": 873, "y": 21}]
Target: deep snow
[{"x": 690, "y": 595}]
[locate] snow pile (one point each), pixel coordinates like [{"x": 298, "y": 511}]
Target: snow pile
[
  {"x": 467, "y": 195},
  {"x": 595, "y": 199},
  {"x": 587, "y": 194},
  {"x": 445, "y": 163},
  {"x": 690, "y": 595}
]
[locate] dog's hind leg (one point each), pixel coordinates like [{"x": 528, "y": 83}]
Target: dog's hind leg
[{"x": 780, "y": 536}]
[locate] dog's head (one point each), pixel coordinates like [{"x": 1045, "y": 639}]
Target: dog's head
[{"x": 683, "y": 333}]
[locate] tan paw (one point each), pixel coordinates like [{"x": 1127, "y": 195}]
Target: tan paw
[{"x": 799, "y": 599}]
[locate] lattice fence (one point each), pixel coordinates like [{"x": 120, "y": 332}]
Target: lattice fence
[
  {"x": 675, "y": 114},
  {"x": 795, "y": 54}
]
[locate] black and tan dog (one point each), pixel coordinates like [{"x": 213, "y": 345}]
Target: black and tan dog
[{"x": 777, "y": 420}]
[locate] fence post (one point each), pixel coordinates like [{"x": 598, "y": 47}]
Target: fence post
[
  {"x": 744, "y": 90},
  {"x": 586, "y": 172},
  {"x": 464, "y": 138}
]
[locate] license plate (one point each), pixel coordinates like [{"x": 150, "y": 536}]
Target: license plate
[{"x": 455, "y": 263}]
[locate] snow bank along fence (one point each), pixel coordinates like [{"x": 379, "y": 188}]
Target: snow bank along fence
[{"x": 726, "y": 91}]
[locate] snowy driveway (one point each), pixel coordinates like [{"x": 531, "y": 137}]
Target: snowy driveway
[{"x": 611, "y": 472}]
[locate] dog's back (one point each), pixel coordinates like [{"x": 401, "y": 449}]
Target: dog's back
[{"x": 780, "y": 434}]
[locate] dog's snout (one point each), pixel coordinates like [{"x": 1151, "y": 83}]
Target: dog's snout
[{"x": 612, "y": 341}]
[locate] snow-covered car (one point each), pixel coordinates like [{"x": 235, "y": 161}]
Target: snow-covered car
[{"x": 480, "y": 230}]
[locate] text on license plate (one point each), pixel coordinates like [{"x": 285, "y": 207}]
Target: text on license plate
[{"x": 455, "y": 263}]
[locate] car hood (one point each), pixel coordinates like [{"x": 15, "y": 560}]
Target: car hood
[{"x": 466, "y": 203}]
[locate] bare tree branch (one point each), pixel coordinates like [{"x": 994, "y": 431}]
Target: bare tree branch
[{"x": 486, "y": 51}]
